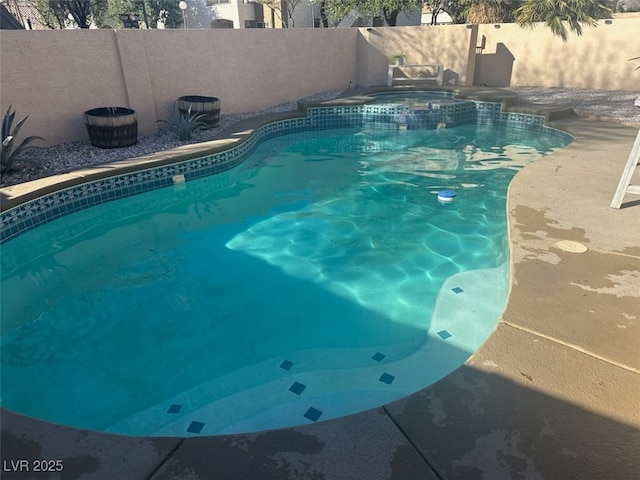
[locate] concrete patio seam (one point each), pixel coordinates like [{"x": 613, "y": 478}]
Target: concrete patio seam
[
  {"x": 412, "y": 443},
  {"x": 572, "y": 346},
  {"x": 166, "y": 459}
]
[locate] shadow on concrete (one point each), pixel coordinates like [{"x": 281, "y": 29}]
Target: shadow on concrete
[{"x": 478, "y": 425}]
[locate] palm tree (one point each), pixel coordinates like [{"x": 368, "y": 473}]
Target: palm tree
[
  {"x": 491, "y": 11},
  {"x": 554, "y": 13}
]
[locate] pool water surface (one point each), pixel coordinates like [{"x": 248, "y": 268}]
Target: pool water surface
[{"x": 319, "y": 278}]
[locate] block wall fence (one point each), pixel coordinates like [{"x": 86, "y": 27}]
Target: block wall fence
[{"x": 54, "y": 76}]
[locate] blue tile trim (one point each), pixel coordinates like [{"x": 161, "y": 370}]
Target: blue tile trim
[
  {"x": 175, "y": 408},
  {"x": 32, "y": 214}
]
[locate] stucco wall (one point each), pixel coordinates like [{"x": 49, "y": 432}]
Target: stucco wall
[
  {"x": 54, "y": 76},
  {"x": 446, "y": 45},
  {"x": 598, "y": 59}
]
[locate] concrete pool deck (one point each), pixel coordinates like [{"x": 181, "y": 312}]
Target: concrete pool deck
[{"x": 554, "y": 393}]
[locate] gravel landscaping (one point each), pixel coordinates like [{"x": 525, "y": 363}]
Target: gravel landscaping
[{"x": 612, "y": 105}]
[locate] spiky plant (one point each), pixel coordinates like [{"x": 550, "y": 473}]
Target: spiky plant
[
  {"x": 9, "y": 134},
  {"x": 184, "y": 125}
]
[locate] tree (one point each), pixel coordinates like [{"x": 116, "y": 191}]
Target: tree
[
  {"x": 85, "y": 11},
  {"x": 554, "y": 13},
  {"x": 456, "y": 9},
  {"x": 389, "y": 9},
  {"x": 166, "y": 12},
  {"x": 55, "y": 13},
  {"x": 324, "y": 19},
  {"x": 284, "y": 10},
  {"x": 115, "y": 8},
  {"x": 491, "y": 11},
  {"x": 80, "y": 10},
  {"x": 199, "y": 15}
]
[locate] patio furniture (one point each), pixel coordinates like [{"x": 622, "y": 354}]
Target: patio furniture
[{"x": 415, "y": 74}]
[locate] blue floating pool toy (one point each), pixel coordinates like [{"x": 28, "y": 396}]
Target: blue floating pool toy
[{"x": 446, "y": 195}]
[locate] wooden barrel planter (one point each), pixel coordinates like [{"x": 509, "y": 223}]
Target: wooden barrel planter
[
  {"x": 112, "y": 127},
  {"x": 208, "y": 106}
]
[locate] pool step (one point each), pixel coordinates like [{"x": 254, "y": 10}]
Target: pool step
[
  {"x": 550, "y": 112},
  {"x": 310, "y": 385},
  {"x": 303, "y": 398},
  {"x": 300, "y": 392}
]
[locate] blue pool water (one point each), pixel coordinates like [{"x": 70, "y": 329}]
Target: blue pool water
[{"x": 319, "y": 278}]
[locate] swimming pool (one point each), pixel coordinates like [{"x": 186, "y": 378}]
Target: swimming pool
[{"x": 319, "y": 277}]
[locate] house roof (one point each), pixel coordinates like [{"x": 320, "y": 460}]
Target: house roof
[
  {"x": 8, "y": 21},
  {"x": 25, "y": 13}
]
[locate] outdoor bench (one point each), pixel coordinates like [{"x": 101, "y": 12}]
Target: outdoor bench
[{"x": 415, "y": 74}]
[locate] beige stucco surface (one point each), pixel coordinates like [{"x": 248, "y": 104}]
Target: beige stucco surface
[{"x": 598, "y": 59}]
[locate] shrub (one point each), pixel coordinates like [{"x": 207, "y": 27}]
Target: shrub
[
  {"x": 9, "y": 134},
  {"x": 186, "y": 125}
]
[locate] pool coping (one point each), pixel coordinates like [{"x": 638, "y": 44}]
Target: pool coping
[{"x": 551, "y": 394}]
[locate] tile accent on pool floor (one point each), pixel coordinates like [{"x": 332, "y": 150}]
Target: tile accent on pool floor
[
  {"x": 457, "y": 290},
  {"x": 313, "y": 414},
  {"x": 443, "y": 334},
  {"x": 195, "y": 427},
  {"x": 387, "y": 378},
  {"x": 175, "y": 408},
  {"x": 378, "y": 357},
  {"x": 297, "y": 388},
  {"x": 286, "y": 365}
]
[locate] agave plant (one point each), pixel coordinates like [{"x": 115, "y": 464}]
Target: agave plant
[
  {"x": 184, "y": 125},
  {"x": 635, "y": 58},
  {"x": 9, "y": 153}
]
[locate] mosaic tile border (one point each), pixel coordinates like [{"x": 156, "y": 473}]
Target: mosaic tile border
[{"x": 31, "y": 214}]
